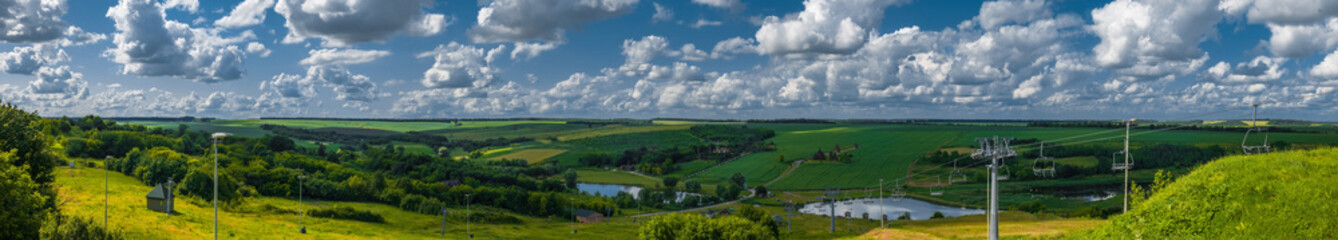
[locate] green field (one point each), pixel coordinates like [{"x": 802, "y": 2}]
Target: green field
[{"x": 885, "y": 152}]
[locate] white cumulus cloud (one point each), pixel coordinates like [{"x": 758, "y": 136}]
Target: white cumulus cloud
[{"x": 346, "y": 22}]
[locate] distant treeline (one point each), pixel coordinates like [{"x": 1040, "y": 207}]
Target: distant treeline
[
  {"x": 361, "y": 141},
  {"x": 797, "y": 120}
]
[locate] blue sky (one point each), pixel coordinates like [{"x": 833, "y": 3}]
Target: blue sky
[{"x": 1024, "y": 59}]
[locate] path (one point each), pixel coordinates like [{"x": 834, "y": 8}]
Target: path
[
  {"x": 786, "y": 173},
  {"x": 694, "y": 174}
]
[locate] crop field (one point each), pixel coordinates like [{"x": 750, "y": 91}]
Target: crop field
[
  {"x": 615, "y": 177},
  {"x": 532, "y": 130},
  {"x": 1137, "y": 136},
  {"x": 885, "y": 152},
  {"x": 532, "y": 155}
]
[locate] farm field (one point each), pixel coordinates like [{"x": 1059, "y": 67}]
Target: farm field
[{"x": 532, "y": 155}]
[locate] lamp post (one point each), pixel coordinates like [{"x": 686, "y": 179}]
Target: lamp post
[
  {"x": 882, "y": 219},
  {"x": 217, "y": 136},
  {"x": 170, "y": 206},
  {"x": 301, "y": 177}
]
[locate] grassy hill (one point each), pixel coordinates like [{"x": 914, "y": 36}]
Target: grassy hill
[{"x": 1286, "y": 195}]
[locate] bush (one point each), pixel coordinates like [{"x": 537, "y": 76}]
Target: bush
[
  {"x": 347, "y": 213},
  {"x": 67, "y": 227},
  {"x": 695, "y": 226},
  {"x": 937, "y": 215}
]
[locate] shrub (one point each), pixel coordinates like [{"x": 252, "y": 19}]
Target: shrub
[{"x": 347, "y": 213}]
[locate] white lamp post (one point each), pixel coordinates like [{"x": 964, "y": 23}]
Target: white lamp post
[{"x": 217, "y": 136}]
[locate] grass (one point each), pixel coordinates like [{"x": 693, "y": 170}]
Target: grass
[
  {"x": 81, "y": 195},
  {"x": 1011, "y": 225},
  {"x": 617, "y": 143},
  {"x": 1085, "y": 161},
  {"x": 532, "y": 155},
  {"x": 1284, "y": 195}
]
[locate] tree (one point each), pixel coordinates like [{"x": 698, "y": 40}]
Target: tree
[
  {"x": 24, "y": 203},
  {"x": 671, "y": 182},
  {"x": 781, "y": 158},
  {"x": 905, "y": 216},
  {"x": 694, "y": 226},
  {"x": 692, "y": 186},
  {"x": 761, "y": 191},
  {"x": 738, "y": 179},
  {"x": 181, "y": 129},
  {"x": 475, "y": 154},
  {"x": 570, "y": 176},
  {"x": 18, "y": 132},
  {"x": 937, "y": 215}
]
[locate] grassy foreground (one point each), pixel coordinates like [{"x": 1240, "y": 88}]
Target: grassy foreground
[
  {"x": 81, "y": 194},
  {"x": 1286, "y": 195}
]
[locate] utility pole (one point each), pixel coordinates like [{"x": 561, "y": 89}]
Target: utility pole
[
  {"x": 216, "y": 137},
  {"x": 573, "y": 214},
  {"x": 789, "y": 216},
  {"x": 1127, "y": 125},
  {"x": 995, "y": 149},
  {"x": 882, "y": 221}
]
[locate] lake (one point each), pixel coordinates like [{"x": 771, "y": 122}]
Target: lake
[
  {"x": 919, "y": 210},
  {"x": 610, "y": 190}
]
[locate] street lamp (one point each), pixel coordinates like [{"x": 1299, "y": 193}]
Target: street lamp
[
  {"x": 217, "y": 136},
  {"x": 300, "y": 185}
]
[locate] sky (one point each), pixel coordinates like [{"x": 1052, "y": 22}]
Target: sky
[{"x": 719, "y": 59}]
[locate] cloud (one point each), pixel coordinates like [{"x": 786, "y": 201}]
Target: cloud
[
  {"x": 458, "y": 66},
  {"x": 541, "y": 20},
  {"x": 825, "y": 26},
  {"x": 732, "y": 5},
  {"x": 662, "y": 14},
  {"x": 528, "y": 51},
  {"x": 258, "y": 49},
  {"x": 26, "y": 21},
  {"x": 290, "y": 86},
  {"x": 28, "y": 59},
  {"x": 59, "y": 80},
  {"x": 347, "y": 86},
  {"x": 74, "y": 36},
  {"x": 331, "y": 56},
  {"x": 996, "y": 13},
  {"x": 187, "y": 5},
  {"x": 248, "y": 13},
  {"x": 1260, "y": 70},
  {"x": 704, "y": 23},
  {"x": 1147, "y": 39},
  {"x": 691, "y": 53},
  {"x": 1297, "y": 41},
  {"x": 735, "y": 45},
  {"x": 147, "y": 44},
  {"x": 1282, "y": 11},
  {"x": 1328, "y": 68},
  {"x": 346, "y": 22}
]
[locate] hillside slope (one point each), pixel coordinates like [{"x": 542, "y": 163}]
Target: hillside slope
[{"x": 1287, "y": 195}]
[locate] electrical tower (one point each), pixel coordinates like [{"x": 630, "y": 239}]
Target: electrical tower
[{"x": 996, "y": 149}]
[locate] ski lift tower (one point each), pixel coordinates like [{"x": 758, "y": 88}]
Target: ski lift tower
[
  {"x": 1128, "y": 163},
  {"x": 996, "y": 149},
  {"x": 832, "y": 194}
]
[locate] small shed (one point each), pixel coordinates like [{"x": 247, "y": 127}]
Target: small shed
[
  {"x": 587, "y": 216},
  {"x": 160, "y": 199}
]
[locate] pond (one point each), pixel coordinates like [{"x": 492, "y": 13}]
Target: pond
[
  {"x": 919, "y": 210},
  {"x": 1090, "y": 196},
  {"x": 610, "y": 190}
]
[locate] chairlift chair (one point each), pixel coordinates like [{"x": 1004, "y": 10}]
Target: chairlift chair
[
  {"x": 956, "y": 176},
  {"x": 936, "y": 190},
  {"x": 1003, "y": 171},
  {"x": 1117, "y": 165},
  {"x": 1254, "y": 127},
  {"x": 1043, "y": 165},
  {"x": 868, "y": 196}
]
